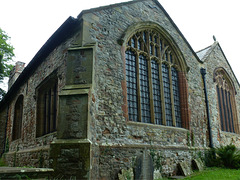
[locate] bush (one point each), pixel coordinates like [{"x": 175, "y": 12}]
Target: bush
[
  {"x": 225, "y": 156},
  {"x": 210, "y": 158}
]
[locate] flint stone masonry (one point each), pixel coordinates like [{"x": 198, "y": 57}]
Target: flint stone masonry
[
  {"x": 94, "y": 138},
  {"x": 184, "y": 169}
]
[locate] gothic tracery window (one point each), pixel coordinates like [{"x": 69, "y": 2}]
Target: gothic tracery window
[
  {"x": 226, "y": 102},
  {"x": 152, "y": 80}
]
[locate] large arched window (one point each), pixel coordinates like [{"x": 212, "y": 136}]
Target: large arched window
[
  {"x": 152, "y": 77},
  {"x": 226, "y": 101},
  {"x": 17, "y": 121}
]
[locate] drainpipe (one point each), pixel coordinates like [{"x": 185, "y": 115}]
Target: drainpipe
[{"x": 203, "y": 72}]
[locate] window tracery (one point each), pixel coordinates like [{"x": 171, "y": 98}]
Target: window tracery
[
  {"x": 152, "y": 72},
  {"x": 226, "y": 101}
]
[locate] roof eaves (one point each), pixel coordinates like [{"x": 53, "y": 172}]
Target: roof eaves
[{"x": 59, "y": 36}]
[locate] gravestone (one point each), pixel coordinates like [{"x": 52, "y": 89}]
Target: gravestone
[
  {"x": 184, "y": 169},
  {"x": 143, "y": 169},
  {"x": 197, "y": 164}
]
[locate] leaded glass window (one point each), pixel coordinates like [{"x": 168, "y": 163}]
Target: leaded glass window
[
  {"x": 144, "y": 89},
  {"x": 152, "y": 80},
  {"x": 167, "y": 94},
  {"x": 131, "y": 77},
  {"x": 156, "y": 92},
  {"x": 176, "y": 97},
  {"x": 226, "y": 102}
]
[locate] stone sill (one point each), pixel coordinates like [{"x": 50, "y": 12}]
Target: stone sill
[
  {"x": 46, "y": 135},
  {"x": 229, "y": 133},
  {"x": 140, "y": 124},
  {"x": 16, "y": 170},
  {"x": 142, "y": 146},
  {"x": 71, "y": 141},
  {"x": 36, "y": 149}
]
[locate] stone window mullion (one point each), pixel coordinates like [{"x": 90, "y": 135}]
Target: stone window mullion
[
  {"x": 172, "y": 97},
  {"x": 220, "y": 107},
  {"x": 234, "y": 112},
  {"x": 164, "y": 122},
  {"x": 224, "y": 110},
  {"x": 230, "y": 111},
  {"x": 138, "y": 88},
  {"x": 151, "y": 92}
]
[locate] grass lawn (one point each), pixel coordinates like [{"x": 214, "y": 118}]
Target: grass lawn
[{"x": 216, "y": 174}]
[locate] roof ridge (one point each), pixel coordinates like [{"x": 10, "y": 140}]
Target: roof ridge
[
  {"x": 107, "y": 6},
  {"x": 203, "y": 49}
]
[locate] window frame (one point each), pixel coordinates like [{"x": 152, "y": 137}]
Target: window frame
[
  {"x": 17, "y": 120},
  {"x": 225, "y": 92},
  {"x": 159, "y": 48},
  {"x": 47, "y": 106}
]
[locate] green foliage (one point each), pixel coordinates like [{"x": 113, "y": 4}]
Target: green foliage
[
  {"x": 193, "y": 138},
  {"x": 229, "y": 156},
  {"x": 2, "y": 162},
  {"x": 210, "y": 158},
  {"x": 6, "y": 55},
  {"x": 188, "y": 139},
  {"x": 225, "y": 156},
  {"x": 156, "y": 157},
  {"x": 216, "y": 173},
  {"x": 7, "y": 145}
]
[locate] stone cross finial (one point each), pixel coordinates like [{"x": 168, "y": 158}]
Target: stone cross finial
[{"x": 214, "y": 38}]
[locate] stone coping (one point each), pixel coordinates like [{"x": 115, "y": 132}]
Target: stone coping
[{"x": 13, "y": 170}]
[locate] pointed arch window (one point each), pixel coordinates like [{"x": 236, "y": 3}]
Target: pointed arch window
[
  {"x": 152, "y": 78},
  {"x": 226, "y": 101},
  {"x": 17, "y": 121}
]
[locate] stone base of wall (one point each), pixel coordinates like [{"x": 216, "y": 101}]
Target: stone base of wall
[
  {"x": 113, "y": 159},
  {"x": 70, "y": 159},
  {"x": 25, "y": 173}
]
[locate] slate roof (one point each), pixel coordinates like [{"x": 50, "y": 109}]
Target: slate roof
[{"x": 203, "y": 53}]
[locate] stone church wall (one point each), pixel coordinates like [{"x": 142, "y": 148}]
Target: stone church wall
[
  {"x": 109, "y": 127},
  {"x": 216, "y": 59},
  {"x": 30, "y": 150},
  {"x": 113, "y": 142}
]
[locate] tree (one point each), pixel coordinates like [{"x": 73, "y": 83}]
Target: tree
[{"x": 6, "y": 55}]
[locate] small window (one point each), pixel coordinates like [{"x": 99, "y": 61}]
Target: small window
[
  {"x": 47, "y": 95},
  {"x": 17, "y": 121}
]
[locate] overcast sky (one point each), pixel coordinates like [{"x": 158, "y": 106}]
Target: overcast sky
[{"x": 30, "y": 23}]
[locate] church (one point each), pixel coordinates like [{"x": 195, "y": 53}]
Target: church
[{"x": 111, "y": 84}]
